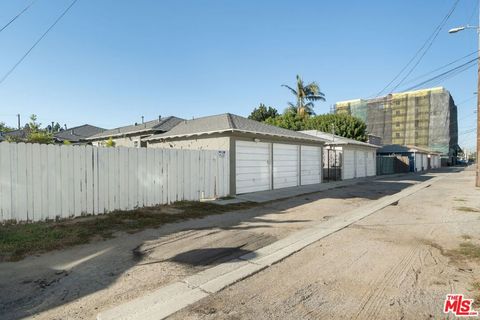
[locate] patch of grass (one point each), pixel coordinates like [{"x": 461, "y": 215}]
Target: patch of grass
[
  {"x": 459, "y": 199},
  {"x": 467, "y": 209},
  {"x": 466, "y": 237},
  {"x": 20, "y": 240},
  {"x": 476, "y": 291},
  {"x": 476, "y": 286},
  {"x": 466, "y": 250}
]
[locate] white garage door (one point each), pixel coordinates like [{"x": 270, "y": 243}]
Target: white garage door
[
  {"x": 418, "y": 162},
  {"x": 311, "y": 160},
  {"x": 285, "y": 165},
  {"x": 361, "y": 164},
  {"x": 252, "y": 163},
  {"x": 348, "y": 164},
  {"x": 425, "y": 161},
  {"x": 371, "y": 163}
]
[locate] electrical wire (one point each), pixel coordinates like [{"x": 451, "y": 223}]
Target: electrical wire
[
  {"x": 446, "y": 75},
  {"x": 5, "y": 76},
  {"x": 424, "y": 48},
  {"x": 443, "y": 67},
  {"x": 439, "y": 29},
  {"x": 17, "y": 16}
]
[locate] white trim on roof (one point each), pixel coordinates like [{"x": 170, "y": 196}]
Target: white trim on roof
[
  {"x": 161, "y": 137},
  {"x": 338, "y": 140},
  {"x": 119, "y": 134}
]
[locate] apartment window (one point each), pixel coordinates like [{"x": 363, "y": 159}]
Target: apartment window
[
  {"x": 417, "y": 123},
  {"x": 418, "y": 100},
  {"x": 397, "y": 102},
  {"x": 135, "y": 144},
  {"x": 397, "y": 112},
  {"x": 397, "y": 134},
  {"x": 416, "y": 134},
  {"x": 398, "y": 124}
]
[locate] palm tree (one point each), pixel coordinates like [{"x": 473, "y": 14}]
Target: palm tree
[{"x": 310, "y": 92}]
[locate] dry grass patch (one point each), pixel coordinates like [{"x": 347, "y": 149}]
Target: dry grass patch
[
  {"x": 467, "y": 250},
  {"x": 467, "y": 209},
  {"x": 476, "y": 292},
  {"x": 20, "y": 240}
]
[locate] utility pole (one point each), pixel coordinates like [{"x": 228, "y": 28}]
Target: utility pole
[
  {"x": 477, "y": 28},
  {"x": 477, "y": 180},
  {"x": 18, "y": 118}
]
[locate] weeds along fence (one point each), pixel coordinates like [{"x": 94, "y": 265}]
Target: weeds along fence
[{"x": 41, "y": 182}]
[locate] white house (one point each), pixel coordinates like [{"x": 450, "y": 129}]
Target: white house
[
  {"x": 262, "y": 157},
  {"x": 352, "y": 158}
]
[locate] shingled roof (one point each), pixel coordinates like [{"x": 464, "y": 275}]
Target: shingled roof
[
  {"x": 333, "y": 139},
  {"x": 228, "y": 122},
  {"x": 159, "y": 125},
  {"x": 77, "y": 134}
]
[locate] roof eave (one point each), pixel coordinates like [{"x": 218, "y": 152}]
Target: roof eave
[
  {"x": 120, "y": 134},
  {"x": 159, "y": 138}
]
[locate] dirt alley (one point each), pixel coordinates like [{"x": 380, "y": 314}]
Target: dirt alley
[
  {"x": 322, "y": 280},
  {"x": 398, "y": 263}
]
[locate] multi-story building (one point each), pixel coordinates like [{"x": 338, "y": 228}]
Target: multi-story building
[{"x": 425, "y": 118}]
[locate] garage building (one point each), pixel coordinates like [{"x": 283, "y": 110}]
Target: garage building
[
  {"x": 346, "y": 158},
  {"x": 420, "y": 159},
  {"x": 262, "y": 157}
]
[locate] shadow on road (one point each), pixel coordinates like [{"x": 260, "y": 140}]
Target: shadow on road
[{"x": 209, "y": 256}]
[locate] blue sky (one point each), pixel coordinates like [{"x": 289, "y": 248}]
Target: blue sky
[{"x": 109, "y": 62}]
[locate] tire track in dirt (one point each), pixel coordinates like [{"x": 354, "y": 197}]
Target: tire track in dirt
[{"x": 375, "y": 298}]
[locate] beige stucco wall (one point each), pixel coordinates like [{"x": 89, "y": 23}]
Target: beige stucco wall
[
  {"x": 122, "y": 142},
  {"x": 217, "y": 143}
]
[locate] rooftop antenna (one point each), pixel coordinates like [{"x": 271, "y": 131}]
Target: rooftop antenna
[{"x": 142, "y": 119}]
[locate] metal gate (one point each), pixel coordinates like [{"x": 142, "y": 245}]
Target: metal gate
[{"x": 332, "y": 165}]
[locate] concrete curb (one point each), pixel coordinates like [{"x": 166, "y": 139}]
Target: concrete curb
[{"x": 176, "y": 296}]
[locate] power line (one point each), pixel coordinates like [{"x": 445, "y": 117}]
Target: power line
[
  {"x": 466, "y": 100},
  {"x": 5, "y": 76},
  {"x": 17, "y": 16},
  {"x": 439, "y": 29},
  {"x": 447, "y": 74},
  {"x": 443, "y": 67},
  {"x": 426, "y": 45}
]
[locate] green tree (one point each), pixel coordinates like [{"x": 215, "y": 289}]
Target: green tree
[
  {"x": 35, "y": 133},
  {"x": 56, "y": 127},
  {"x": 33, "y": 125},
  {"x": 305, "y": 96},
  {"x": 40, "y": 137},
  {"x": 342, "y": 124},
  {"x": 262, "y": 113},
  {"x": 110, "y": 143},
  {"x": 5, "y": 128},
  {"x": 289, "y": 120}
]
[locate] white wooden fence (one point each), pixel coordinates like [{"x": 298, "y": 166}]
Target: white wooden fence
[{"x": 39, "y": 182}]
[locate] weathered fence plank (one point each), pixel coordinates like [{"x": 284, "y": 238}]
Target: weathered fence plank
[{"x": 41, "y": 182}]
